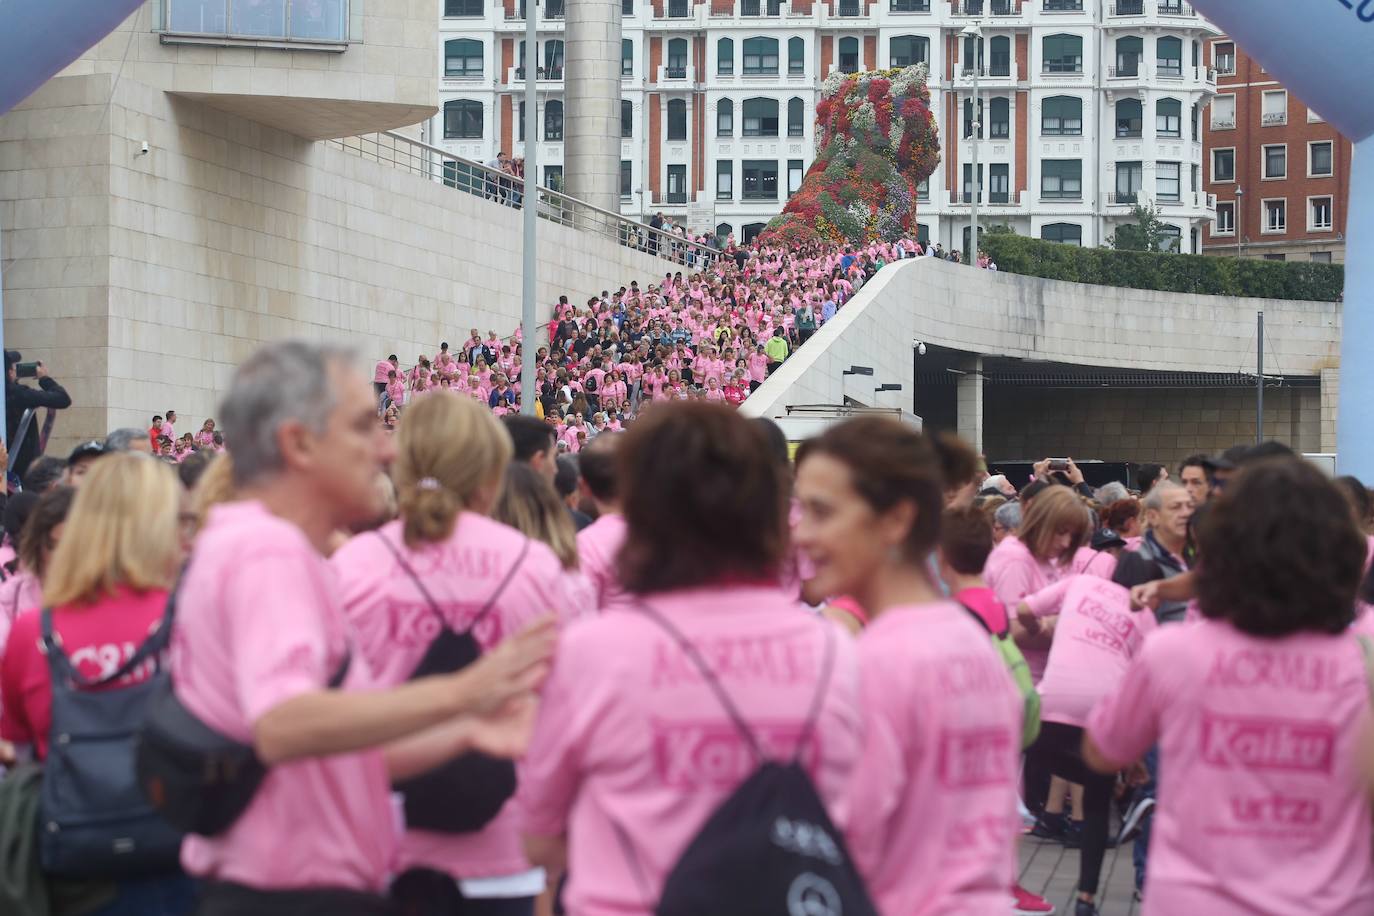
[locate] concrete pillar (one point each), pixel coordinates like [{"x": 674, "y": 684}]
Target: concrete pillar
[
  {"x": 591, "y": 114},
  {"x": 968, "y": 408},
  {"x": 1331, "y": 390}
]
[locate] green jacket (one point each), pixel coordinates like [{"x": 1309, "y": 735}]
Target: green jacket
[{"x": 776, "y": 349}]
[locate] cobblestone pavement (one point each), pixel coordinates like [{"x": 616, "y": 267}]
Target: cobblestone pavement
[{"x": 1047, "y": 868}]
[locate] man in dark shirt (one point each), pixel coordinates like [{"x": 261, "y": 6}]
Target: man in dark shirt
[{"x": 20, "y": 398}]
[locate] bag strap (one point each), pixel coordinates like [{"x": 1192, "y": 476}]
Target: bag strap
[
  {"x": 984, "y": 624},
  {"x": 1367, "y": 650},
  {"x": 429, "y": 598},
  {"x": 731, "y": 710},
  {"x": 150, "y": 648}
]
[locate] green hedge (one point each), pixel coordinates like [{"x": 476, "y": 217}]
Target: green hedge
[{"x": 1176, "y": 273}]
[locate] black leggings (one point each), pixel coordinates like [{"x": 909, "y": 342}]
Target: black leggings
[
  {"x": 426, "y": 892},
  {"x": 1059, "y": 751}
]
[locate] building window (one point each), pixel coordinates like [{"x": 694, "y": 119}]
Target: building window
[
  {"x": 1129, "y": 51},
  {"x": 1061, "y": 179},
  {"x": 1063, "y": 53},
  {"x": 627, "y": 57},
  {"x": 723, "y": 231},
  {"x": 276, "y": 19},
  {"x": 1062, "y": 116},
  {"x": 999, "y": 118},
  {"x": 1276, "y": 161},
  {"x": 1130, "y": 118},
  {"x": 1130, "y": 177},
  {"x": 1197, "y": 121},
  {"x": 1224, "y": 164},
  {"x": 1225, "y": 223},
  {"x": 725, "y": 57},
  {"x": 677, "y": 184},
  {"x": 676, "y": 68},
  {"x": 553, "y": 59},
  {"x": 972, "y": 49},
  {"x": 968, "y": 118},
  {"x": 553, "y": 120},
  {"x": 796, "y": 56},
  {"x": 905, "y": 50},
  {"x": 1276, "y": 215},
  {"x": 999, "y": 183},
  {"x": 1167, "y": 184},
  {"x": 849, "y": 55},
  {"x": 796, "y": 117},
  {"x": 627, "y": 118},
  {"x": 923, "y": 189},
  {"x": 1169, "y": 118},
  {"x": 1170, "y": 238},
  {"x": 1274, "y": 108},
  {"x": 725, "y": 179},
  {"x": 725, "y": 118},
  {"x": 462, "y": 120},
  {"x": 1065, "y": 233},
  {"x": 454, "y": 8},
  {"x": 1169, "y": 56},
  {"x": 760, "y": 117},
  {"x": 968, "y": 183},
  {"x": 553, "y": 177},
  {"x": 910, "y": 6},
  {"x": 1224, "y": 58},
  {"x": 760, "y": 56},
  {"x": 1321, "y": 257},
  {"x": 1319, "y": 214},
  {"x": 795, "y": 172},
  {"x": 520, "y": 123},
  {"x": 1224, "y": 112},
  {"x": 1063, "y": 6},
  {"x": 463, "y": 58},
  {"x": 627, "y": 178},
  {"x": 677, "y": 119},
  {"x": 627, "y": 7},
  {"x": 1319, "y": 164},
  {"x": 999, "y": 58},
  {"x": 760, "y": 180},
  {"x": 1313, "y": 117}
]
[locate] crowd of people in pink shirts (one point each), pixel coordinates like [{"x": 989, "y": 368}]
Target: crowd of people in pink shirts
[
  {"x": 706, "y": 677},
  {"x": 712, "y": 335}
]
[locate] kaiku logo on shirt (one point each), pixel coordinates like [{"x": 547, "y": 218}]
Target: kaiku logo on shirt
[
  {"x": 690, "y": 755},
  {"x": 806, "y": 839},
  {"x": 975, "y": 757},
  {"x": 1234, "y": 742}
]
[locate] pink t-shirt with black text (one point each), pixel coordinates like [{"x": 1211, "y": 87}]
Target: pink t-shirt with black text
[
  {"x": 1013, "y": 572},
  {"x": 395, "y": 626},
  {"x": 597, "y": 547},
  {"x": 1094, "y": 641},
  {"x": 632, "y": 740},
  {"x": 1261, "y": 800},
  {"x": 930, "y": 814},
  {"x": 262, "y": 622}
]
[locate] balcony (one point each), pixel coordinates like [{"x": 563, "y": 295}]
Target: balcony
[
  {"x": 998, "y": 74},
  {"x": 682, "y": 75},
  {"x": 755, "y": 8},
  {"x": 1173, "y": 8},
  {"x": 553, "y": 12},
  {"x": 542, "y": 75},
  {"x": 986, "y": 8},
  {"x": 1122, "y": 198},
  {"x": 909, "y": 6},
  {"x": 1127, "y": 8},
  {"x": 1124, "y": 72},
  {"x": 1169, "y": 70},
  {"x": 1274, "y": 118},
  {"x": 986, "y": 198},
  {"x": 850, "y": 9},
  {"x": 675, "y": 9},
  {"x": 1224, "y": 123}
]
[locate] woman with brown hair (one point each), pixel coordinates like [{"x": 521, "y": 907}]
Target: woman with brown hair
[
  {"x": 942, "y": 715},
  {"x": 706, "y": 660}
]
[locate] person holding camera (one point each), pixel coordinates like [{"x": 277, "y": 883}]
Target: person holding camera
[{"x": 25, "y": 442}]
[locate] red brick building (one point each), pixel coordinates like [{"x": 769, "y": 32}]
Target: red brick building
[{"x": 1281, "y": 175}]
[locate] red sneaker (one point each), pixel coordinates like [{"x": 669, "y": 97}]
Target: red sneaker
[{"x": 1024, "y": 903}]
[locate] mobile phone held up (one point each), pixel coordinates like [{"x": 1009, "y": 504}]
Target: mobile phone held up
[
  {"x": 1059, "y": 464},
  {"x": 26, "y": 370}
]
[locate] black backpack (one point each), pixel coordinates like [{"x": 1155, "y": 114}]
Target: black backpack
[
  {"x": 93, "y": 820},
  {"x": 589, "y": 384},
  {"x": 466, "y": 793},
  {"x": 770, "y": 848}
]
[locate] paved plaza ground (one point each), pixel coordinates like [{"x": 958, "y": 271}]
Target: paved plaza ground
[{"x": 1049, "y": 869}]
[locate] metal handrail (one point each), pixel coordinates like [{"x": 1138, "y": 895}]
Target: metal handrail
[{"x": 443, "y": 167}]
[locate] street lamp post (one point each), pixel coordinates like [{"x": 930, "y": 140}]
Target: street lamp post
[
  {"x": 975, "y": 31},
  {"x": 1240, "y": 211}
]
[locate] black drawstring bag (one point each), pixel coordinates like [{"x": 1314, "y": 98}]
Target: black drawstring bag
[
  {"x": 199, "y": 780},
  {"x": 466, "y": 793},
  {"x": 771, "y": 847}
]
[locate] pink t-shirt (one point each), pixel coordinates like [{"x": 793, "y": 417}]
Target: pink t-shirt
[
  {"x": 1094, "y": 641},
  {"x": 262, "y": 622},
  {"x": 631, "y": 739},
  {"x": 597, "y": 546},
  {"x": 1099, "y": 563},
  {"x": 20, "y": 592},
  {"x": 395, "y": 626},
  {"x": 1261, "y": 800},
  {"x": 931, "y": 811},
  {"x": 1013, "y": 573}
]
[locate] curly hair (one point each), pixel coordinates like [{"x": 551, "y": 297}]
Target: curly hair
[{"x": 1282, "y": 552}]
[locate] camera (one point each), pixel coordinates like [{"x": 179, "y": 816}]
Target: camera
[
  {"x": 1059, "y": 464},
  {"x": 26, "y": 370}
]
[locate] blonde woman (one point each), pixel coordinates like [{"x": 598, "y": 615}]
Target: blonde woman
[
  {"x": 530, "y": 505},
  {"x": 445, "y": 573},
  {"x": 107, "y": 584}
]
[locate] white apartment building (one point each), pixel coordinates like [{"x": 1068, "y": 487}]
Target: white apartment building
[{"x": 1089, "y": 105}]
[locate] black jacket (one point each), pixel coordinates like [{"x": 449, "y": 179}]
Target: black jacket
[{"x": 19, "y": 398}]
